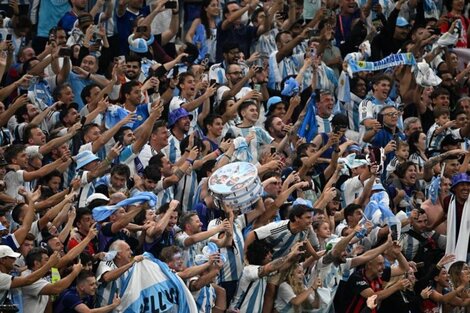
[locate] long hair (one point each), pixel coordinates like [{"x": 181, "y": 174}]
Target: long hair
[
  {"x": 296, "y": 283},
  {"x": 204, "y": 18}
]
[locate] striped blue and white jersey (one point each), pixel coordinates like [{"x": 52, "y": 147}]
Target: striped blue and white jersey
[
  {"x": 433, "y": 140},
  {"x": 410, "y": 245},
  {"x": 190, "y": 252},
  {"x": 106, "y": 291},
  {"x": 262, "y": 138},
  {"x": 172, "y": 151},
  {"x": 233, "y": 267},
  {"x": 217, "y": 72},
  {"x": 370, "y": 107},
  {"x": 204, "y": 297},
  {"x": 331, "y": 275},
  {"x": 186, "y": 190},
  {"x": 250, "y": 292},
  {"x": 280, "y": 236},
  {"x": 164, "y": 195},
  {"x": 86, "y": 188},
  {"x": 266, "y": 43},
  {"x": 324, "y": 124},
  {"x": 351, "y": 109},
  {"x": 278, "y": 71}
]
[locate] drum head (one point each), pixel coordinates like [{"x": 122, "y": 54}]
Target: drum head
[{"x": 233, "y": 177}]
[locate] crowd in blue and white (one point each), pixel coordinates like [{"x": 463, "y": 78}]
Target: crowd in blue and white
[{"x": 115, "y": 114}]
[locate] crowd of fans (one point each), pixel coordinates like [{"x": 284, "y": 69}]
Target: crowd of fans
[{"x": 108, "y": 101}]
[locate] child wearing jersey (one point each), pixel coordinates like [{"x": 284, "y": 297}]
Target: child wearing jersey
[
  {"x": 402, "y": 153},
  {"x": 440, "y": 129}
]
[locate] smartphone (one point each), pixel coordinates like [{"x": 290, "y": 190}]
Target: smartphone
[
  {"x": 23, "y": 92},
  {"x": 8, "y": 37},
  {"x": 160, "y": 72},
  {"x": 273, "y": 150},
  {"x": 213, "y": 82},
  {"x": 175, "y": 71},
  {"x": 337, "y": 129},
  {"x": 82, "y": 121},
  {"x": 205, "y": 61},
  {"x": 228, "y": 136},
  {"x": 141, "y": 29},
  {"x": 435, "y": 31},
  {"x": 65, "y": 52},
  {"x": 170, "y": 5},
  {"x": 419, "y": 264},
  {"x": 396, "y": 138},
  {"x": 313, "y": 53}
]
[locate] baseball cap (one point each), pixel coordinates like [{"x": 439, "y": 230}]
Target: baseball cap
[
  {"x": 402, "y": 22},
  {"x": 6, "y": 251}
]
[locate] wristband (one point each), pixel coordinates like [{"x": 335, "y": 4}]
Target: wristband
[{"x": 190, "y": 161}]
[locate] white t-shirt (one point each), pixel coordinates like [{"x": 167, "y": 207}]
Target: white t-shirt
[
  {"x": 31, "y": 297},
  {"x": 5, "y": 283},
  {"x": 14, "y": 180}
]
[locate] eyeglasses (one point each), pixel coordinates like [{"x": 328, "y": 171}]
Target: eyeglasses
[
  {"x": 391, "y": 114},
  {"x": 236, "y": 73}
]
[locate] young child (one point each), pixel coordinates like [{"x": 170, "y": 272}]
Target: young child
[
  {"x": 401, "y": 155},
  {"x": 442, "y": 127}
]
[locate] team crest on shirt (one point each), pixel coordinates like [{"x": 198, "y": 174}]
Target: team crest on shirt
[
  {"x": 139, "y": 117},
  {"x": 361, "y": 64},
  {"x": 341, "y": 82}
]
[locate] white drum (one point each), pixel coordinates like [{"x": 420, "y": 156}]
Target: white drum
[{"x": 237, "y": 185}]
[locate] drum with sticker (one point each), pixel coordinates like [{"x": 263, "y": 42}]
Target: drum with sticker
[{"x": 236, "y": 185}]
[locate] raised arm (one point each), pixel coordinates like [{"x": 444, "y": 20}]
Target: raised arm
[
  {"x": 73, "y": 253},
  {"x": 126, "y": 219},
  {"x": 145, "y": 130},
  {"x": 107, "y": 135},
  {"x": 21, "y": 281},
  {"x": 19, "y": 102},
  {"x": 64, "y": 283},
  {"x": 117, "y": 272},
  {"x": 57, "y": 142},
  {"x": 281, "y": 263},
  {"x": 157, "y": 231}
]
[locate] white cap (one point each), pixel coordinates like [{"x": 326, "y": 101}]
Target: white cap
[
  {"x": 6, "y": 251},
  {"x": 96, "y": 196}
]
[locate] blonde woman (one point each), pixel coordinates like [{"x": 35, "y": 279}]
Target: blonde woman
[{"x": 293, "y": 296}]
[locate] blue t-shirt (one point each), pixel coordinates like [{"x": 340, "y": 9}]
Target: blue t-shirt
[
  {"x": 77, "y": 83},
  {"x": 67, "y": 21},
  {"x": 142, "y": 113},
  {"x": 125, "y": 24},
  {"x": 50, "y": 12},
  {"x": 69, "y": 299}
]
